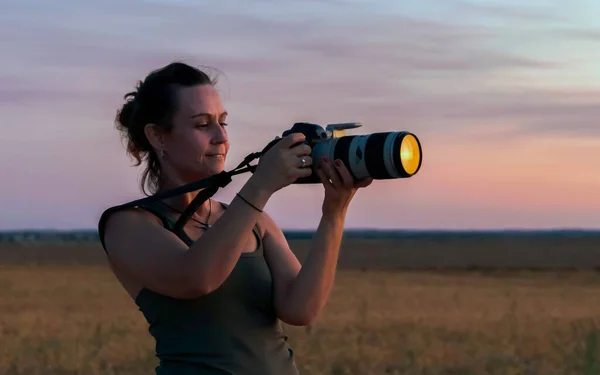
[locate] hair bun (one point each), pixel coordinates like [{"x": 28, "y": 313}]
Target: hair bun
[{"x": 126, "y": 113}]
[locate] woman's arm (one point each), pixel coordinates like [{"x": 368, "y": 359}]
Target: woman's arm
[{"x": 301, "y": 292}]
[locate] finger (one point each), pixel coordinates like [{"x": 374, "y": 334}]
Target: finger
[
  {"x": 301, "y": 149},
  {"x": 308, "y": 161},
  {"x": 322, "y": 177},
  {"x": 332, "y": 174},
  {"x": 346, "y": 177},
  {"x": 291, "y": 139},
  {"x": 303, "y": 172}
]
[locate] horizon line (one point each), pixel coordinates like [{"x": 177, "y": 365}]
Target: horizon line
[{"x": 355, "y": 229}]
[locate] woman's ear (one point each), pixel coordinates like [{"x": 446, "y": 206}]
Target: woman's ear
[{"x": 154, "y": 136}]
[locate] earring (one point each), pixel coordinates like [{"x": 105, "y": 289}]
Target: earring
[{"x": 162, "y": 154}]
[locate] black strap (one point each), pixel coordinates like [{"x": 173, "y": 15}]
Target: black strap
[
  {"x": 210, "y": 185},
  {"x": 200, "y": 198}
]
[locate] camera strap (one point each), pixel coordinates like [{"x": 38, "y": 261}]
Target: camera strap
[{"x": 209, "y": 186}]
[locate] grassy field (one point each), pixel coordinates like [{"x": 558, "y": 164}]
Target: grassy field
[{"x": 59, "y": 319}]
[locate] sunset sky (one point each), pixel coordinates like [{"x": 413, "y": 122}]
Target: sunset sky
[{"x": 504, "y": 95}]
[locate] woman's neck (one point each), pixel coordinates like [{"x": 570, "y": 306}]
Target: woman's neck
[{"x": 182, "y": 201}]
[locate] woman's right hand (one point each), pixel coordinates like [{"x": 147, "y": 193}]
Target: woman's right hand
[{"x": 281, "y": 165}]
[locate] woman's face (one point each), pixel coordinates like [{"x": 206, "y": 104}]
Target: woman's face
[{"x": 198, "y": 145}]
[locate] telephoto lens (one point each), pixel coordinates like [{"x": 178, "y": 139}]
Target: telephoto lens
[{"x": 385, "y": 155}]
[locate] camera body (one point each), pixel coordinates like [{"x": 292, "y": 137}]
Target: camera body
[{"x": 383, "y": 155}]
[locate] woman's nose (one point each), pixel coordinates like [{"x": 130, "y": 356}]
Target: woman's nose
[{"x": 220, "y": 135}]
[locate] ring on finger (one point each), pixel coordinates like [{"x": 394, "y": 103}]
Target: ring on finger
[{"x": 303, "y": 160}]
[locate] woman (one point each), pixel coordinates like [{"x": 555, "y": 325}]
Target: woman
[{"x": 214, "y": 297}]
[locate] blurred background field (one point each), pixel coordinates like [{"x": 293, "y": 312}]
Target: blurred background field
[{"x": 404, "y": 304}]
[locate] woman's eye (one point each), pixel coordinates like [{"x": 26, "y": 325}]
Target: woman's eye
[{"x": 206, "y": 125}]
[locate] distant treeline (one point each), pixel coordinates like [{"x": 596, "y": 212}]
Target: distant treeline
[
  {"x": 34, "y": 236},
  {"x": 91, "y": 236}
]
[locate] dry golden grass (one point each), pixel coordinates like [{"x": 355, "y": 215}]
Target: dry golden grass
[{"x": 77, "y": 320}]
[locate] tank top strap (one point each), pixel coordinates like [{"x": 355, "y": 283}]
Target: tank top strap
[
  {"x": 159, "y": 211},
  {"x": 150, "y": 207}
]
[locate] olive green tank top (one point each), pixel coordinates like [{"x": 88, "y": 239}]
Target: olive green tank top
[{"x": 232, "y": 331}]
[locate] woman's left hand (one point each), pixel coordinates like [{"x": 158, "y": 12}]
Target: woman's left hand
[{"x": 340, "y": 186}]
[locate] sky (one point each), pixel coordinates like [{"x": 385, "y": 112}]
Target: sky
[{"x": 503, "y": 95}]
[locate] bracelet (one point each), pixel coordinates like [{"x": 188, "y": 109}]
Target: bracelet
[{"x": 253, "y": 206}]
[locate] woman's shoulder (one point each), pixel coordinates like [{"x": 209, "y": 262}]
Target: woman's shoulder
[{"x": 122, "y": 217}]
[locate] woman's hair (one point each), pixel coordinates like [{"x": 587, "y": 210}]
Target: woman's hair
[{"x": 154, "y": 101}]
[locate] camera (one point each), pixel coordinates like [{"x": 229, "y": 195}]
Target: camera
[{"x": 381, "y": 156}]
